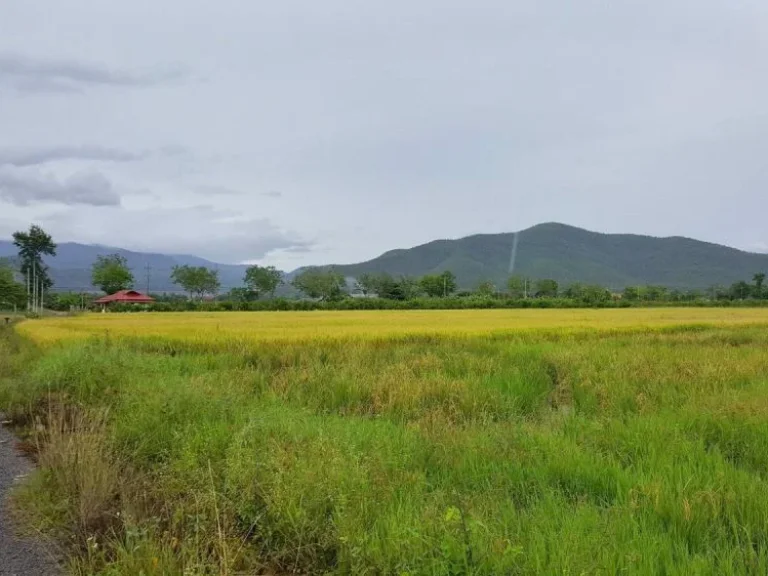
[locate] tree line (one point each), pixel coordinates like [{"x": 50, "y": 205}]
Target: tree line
[{"x": 26, "y": 282}]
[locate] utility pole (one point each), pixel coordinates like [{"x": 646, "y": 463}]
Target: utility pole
[
  {"x": 148, "y": 270},
  {"x": 34, "y": 287}
]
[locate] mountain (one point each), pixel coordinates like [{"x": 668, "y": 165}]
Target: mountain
[
  {"x": 71, "y": 268},
  {"x": 568, "y": 254},
  {"x": 564, "y": 253}
]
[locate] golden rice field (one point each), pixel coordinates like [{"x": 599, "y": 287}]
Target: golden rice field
[{"x": 306, "y": 326}]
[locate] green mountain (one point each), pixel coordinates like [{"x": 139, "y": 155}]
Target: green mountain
[
  {"x": 568, "y": 254},
  {"x": 564, "y": 253}
]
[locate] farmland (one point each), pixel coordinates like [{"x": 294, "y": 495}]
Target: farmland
[{"x": 436, "y": 442}]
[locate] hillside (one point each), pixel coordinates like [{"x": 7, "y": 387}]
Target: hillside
[
  {"x": 558, "y": 251},
  {"x": 71, "y": 268},
  {"x": 568, "y": 254}
]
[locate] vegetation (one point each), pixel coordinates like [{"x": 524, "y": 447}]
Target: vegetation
[
  {"x": 321, "y": 284},
  {"x": 199, "y": 281},
  {"x": 412, "y": 443},
  {"x": 111, "y": 274},
  {"x": 261, "y": 280},
  {"x": 438, "y": 285},
  {"x": 555, "y": 251},
  {"x": 32, "y": 246},
  {"x": 567, "y": 254},
  {"x": 13, "y": 294}
]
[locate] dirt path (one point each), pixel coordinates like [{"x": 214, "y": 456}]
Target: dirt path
[{"x": 18, "y": 556}]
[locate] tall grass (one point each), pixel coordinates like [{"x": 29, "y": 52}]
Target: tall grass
[{"x": 576, "y": 452}]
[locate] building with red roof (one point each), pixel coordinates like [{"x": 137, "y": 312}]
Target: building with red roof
[{"x": 125, "y": 297}]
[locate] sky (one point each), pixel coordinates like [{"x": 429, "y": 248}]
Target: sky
[{"x": 301, "y": 132}]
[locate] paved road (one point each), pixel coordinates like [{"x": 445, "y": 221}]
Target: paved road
[{"x": 18, "y": 557}]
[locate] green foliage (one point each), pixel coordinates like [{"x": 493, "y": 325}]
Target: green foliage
[
  {"x": 535, "y": 453},
  {"x": 111, "y": 274},
  {"x": 741, "y": 290},
  {"x": 320, "y": 283},
  {"x": 518, "y": 287},
  {"x": 367, "y": 283},
  {"x": 65, "y": 301},
  {"x": 262, "y": 280},
  {"x": 438, "y": 285},
  {"x": 13, "y": 294},
  {"x": 759, "y": 280},
  {"x": 588, "y": 294},
  {"x": 33, "y": 245},
  {"x": 486, "y": 289},
  {"x": 546, "y": 288},
  {"x": 197, "y": 280}
]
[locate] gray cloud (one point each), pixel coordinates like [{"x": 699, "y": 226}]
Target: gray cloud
[
  {"x": 25, "y": 187},
  {"x": 221, "y": 235},
  {"x": 391, "y": 124},
  {"x": 54, "y": 75},
  {"x": 209, "y": 190},
  {"x": 42, "y": 155}
]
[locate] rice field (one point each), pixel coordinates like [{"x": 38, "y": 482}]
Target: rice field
[
  {"x": 439, "y": 442},
  {"x": 311, "y": 326}
]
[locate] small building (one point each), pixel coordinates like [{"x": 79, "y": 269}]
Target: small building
[{"x": 125, "y": 297}]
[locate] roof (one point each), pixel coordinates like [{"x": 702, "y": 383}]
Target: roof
[{"x": 125, "y": 296}]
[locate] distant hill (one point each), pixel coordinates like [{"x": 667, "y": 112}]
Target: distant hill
[
  {"x": 568, "y": 254},
  {"x": 71, "y": 268},
  {"x": 564, "y": 253}
]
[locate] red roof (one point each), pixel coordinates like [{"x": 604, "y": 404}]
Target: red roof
[{"x": 130, "y": 296}]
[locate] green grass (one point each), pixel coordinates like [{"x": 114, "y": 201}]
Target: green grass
[{"x": 587, "y": 453}]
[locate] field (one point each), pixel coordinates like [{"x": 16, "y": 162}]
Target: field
[
  {"x": 249, "y": 328},
  {"x": 442, "y": 443}
]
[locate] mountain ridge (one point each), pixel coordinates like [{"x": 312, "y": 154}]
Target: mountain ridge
[
  {"x": 571, "y": 254},
  {"x": 549, "y": 250}
]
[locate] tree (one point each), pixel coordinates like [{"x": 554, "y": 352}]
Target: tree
[
  {"x": 517, "y": 286},
  {"x": 197, "y": 280},
  {"x": 632, "y": 293},
  {"x": 320, "y": 283},
  {"x": 263, "y": 280},
  {"x": 409, "y": 286},
  {"x": 13, "y": 294},
  {"x": 367, "y": 283},
  {"x": 655, "y": 293},
  {"x": 594, "y": 295},
  {"x": 33, "y": 245},
  {"x": 546, "y": 288},
  {"x": 740, "y": 290},
  {"x": 438, "y": 285},
  {"x": 240, "y": 295},
  {"x": 486, "y": 289},
  {"x": 759, "y": 279},
  {"x": 574, "y": 291},
  {"x": 111, "y": 273},
  {"x": 389, "y": 288}
]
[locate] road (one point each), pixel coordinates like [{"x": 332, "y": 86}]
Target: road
[{"x": 18, "y": 556}]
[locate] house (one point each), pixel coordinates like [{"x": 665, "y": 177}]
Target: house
[{"x": 125, "y": 297}]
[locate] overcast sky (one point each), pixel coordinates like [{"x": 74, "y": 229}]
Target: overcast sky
[{"x": 302, "y": 132}]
